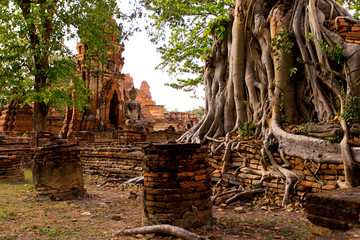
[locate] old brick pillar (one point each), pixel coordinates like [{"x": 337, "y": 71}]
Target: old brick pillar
[
  {"x": 58, "y": 173},
  {"x": 177, "y": 186}
]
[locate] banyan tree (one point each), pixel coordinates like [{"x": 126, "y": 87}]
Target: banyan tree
[{"x": 284, "y": 62}]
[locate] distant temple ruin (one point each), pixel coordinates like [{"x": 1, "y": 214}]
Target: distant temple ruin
[
  {"x": 110, "y": 90},
  {"x": 106, "y": 85}
]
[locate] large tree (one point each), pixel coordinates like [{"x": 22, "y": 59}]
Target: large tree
[
  {"x": 272, "y": 62},
  {"x": 36, "y": 64}
]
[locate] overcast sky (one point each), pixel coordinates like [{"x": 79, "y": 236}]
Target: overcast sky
[{"x": 141, "y": 59}]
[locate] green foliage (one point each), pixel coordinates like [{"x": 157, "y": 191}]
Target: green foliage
[
  {"x": 35, "y": 63},
  {"x": 281, "y": 42},
  {"x": 217, "y": 27},
  {"x": 198, "y": 111},
  {"x": 335, "y": 52},
  {"x": 351, "y": 111},
  {"x": 247, "y": 129},
  {"x": 352, "y": 5},
  {"x": 293, "y": 71},
  {"x": 184, "y": 30},
  {"x": 303, "y": 129},
  {"x": 334, "y": 139}
]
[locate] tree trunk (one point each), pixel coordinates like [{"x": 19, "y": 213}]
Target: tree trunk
[
  {"x": 238, "y": 61},
  {"x": 40, "y": 114}
]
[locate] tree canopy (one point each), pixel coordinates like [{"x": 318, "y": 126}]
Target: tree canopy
[
  {"x": 36, "y": 64},
  {"x": 183, "y": 32}
]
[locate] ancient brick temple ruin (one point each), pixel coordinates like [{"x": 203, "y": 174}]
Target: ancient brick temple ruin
[
  {"x": 58, "y": 172},
  {"x": 106, "y": 84},
  {"x": 155, "y": 114},
  {"x": 16, "y": 119},
  {"x": 110, "y": 90},
  {"x": 176, "y": 176},
  {"x": 177, "y": 186}
]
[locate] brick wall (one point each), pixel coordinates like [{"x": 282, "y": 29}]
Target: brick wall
[
  {"x": 333, "y": 211},
  {"x": 23, "y": 150},
  {"x": 130, "y": 134},
  {"x": 11, "y": 169},
  {"x": 115, "y": 162},
  {"x": 249, "y": 156},
  {"x": 349, "y": 30}
]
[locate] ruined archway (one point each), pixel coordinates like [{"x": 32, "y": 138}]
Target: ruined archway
[{"x": 114, "y": 111}]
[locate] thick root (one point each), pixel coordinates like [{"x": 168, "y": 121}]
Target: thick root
[{"x": 161, "y": 229}]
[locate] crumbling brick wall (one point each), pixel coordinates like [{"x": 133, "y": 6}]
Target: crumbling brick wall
[
  {"x": 115, "y": 162},
  {"x": 316, "y": 176},
  {"x": 11, "y": 169}
]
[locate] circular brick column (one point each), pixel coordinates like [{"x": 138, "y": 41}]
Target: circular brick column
[
  {"x": 11, "y": 169},
  {"x": 177, "y": 186},
  {"x": 58, "y": 173}
]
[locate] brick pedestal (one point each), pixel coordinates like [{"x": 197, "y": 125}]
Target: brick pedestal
[
  {"x": 78, "y": 137},
  {"x": 58, "y": 173},
  {"x": 177, "y": 185},
  {"x": 333, "y": 211},
  {"x": 129, "y": 134},
  {"x": 11, "y": 169},
  {"x": 40, "y": 139}
]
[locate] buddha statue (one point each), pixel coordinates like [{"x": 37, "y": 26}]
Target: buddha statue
[{"x": 132, "y": 109}]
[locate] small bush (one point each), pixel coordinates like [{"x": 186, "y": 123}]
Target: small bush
[{"x": 248, "y": 129}]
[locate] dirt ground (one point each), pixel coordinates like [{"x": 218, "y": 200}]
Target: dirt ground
[{"x": 113, "y": 207}]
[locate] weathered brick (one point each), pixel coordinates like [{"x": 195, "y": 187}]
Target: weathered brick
[
  {"x": 181, "y": 204},
  {"x": 185, "y": 174},
  {"x": 186, "y": 185},
  {"x": 310, "y": 184}
]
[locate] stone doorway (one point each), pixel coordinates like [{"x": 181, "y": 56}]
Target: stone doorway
[{"x": 114, "y": 111}]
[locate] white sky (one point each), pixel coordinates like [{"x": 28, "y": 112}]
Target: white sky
[{"x": 141, "y": 59}]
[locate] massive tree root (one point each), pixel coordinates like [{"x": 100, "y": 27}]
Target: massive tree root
[
  {"x": 280, "y": 64},
  {"x": 161, "y": 229}
]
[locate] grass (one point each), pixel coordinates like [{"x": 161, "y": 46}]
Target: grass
[{"x": 23, "y": 215}]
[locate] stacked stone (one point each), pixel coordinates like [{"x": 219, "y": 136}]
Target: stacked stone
[
  {"x": 130, "y": 134},
  {"x": 349, "y": 30},
  {"x": 81, "y": 137},
  {"x": 57, "y": 172},
  {"x": 15, "y": 119},
  {"x": 21, "y": 149},
  {"x": 333, "y": 211},
  {"x": 11, "y": 169},
  {"x": 23, "y": 121},
  {"x": 177, "y": 185},
  {"x": 40, "y": 139},
  {"x": 248, "y": 155},
  {"x": 113, "y": 162},
  {"x": 164, "y": 135}
]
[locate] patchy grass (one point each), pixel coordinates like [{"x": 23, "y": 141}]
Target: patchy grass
[{"x": 25, "y": 216}]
